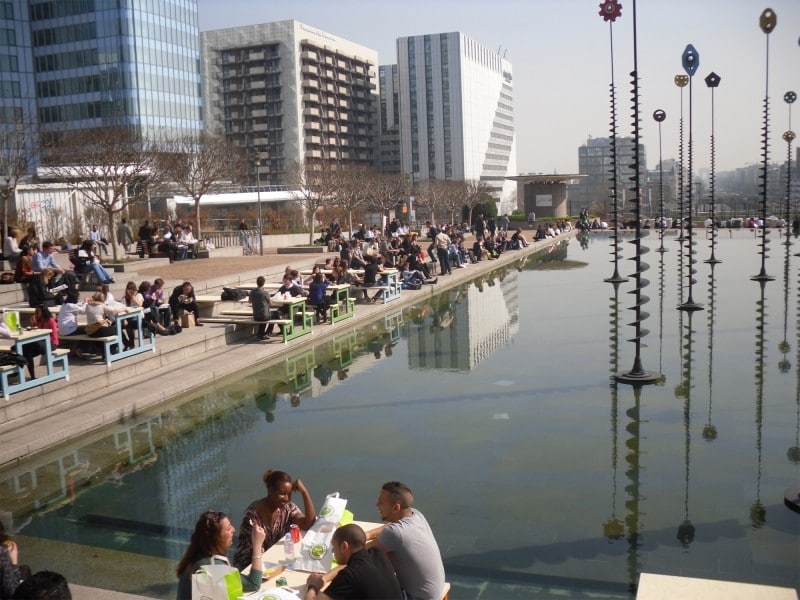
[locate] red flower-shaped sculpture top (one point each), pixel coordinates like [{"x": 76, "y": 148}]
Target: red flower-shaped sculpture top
[{"x": 610, "y": 10}]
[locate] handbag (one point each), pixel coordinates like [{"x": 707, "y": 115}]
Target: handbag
[{"x": 217, "y": 581}]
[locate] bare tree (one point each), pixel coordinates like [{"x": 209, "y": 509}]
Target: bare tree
[
  {"x": 197, "y": 165},
  {"x": 454, "y": 198},
  {"x": 18, "y": 153},
  {"x": 433, "y": 193},
  {"x": 315, "y": 184},
  {"x": 386, "y": 190},
  {"x": 475, "y": 192},
  {"x": 104, "y": 166},
  {"x": 352, "y": 189}
]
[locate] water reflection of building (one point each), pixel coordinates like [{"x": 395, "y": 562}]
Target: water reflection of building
[{"x": 468, "y": 325}]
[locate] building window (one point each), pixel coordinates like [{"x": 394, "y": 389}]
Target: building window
[
  {"x": 9, "y": 89},
  {"x": 8, "y": 63}
]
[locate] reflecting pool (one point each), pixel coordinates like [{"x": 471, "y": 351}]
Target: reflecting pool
[{"x": 495, "y": 402}]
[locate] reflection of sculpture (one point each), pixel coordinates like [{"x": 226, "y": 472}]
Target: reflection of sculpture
[
  {"x": 613, "y": 528},
  {"x": 686, "y": 529},
  {"x": 758, "y": 514},
  {"x": 709, "y": 430}
]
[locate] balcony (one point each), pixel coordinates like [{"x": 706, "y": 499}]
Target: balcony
[
  {"x": 313, "y": 125},
  {"x": 311, "y": 98},
  {"x": 257, "y": 113},
  {"x": 310, "y": 112},
  {"x": 256, "y": 71},
  {"x": 309, "y": 55},
  {"x": 313, "y": 139},
  {"x": 310, "y": 70},
  {"x": 313, "y": 154},
  {"x": 343, "y": 91},
  {"x": 311, "y": 83},
  {"x": 254, "y": 56},
  {"x": 344, "y": 104},
  {"x": 343, "y": 77}
]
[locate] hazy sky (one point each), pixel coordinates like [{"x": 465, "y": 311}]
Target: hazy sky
[{"x": 561, "y": 56}]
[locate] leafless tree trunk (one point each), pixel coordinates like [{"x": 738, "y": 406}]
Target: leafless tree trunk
[
  {"x": 105, "y": 167},
  {"x": 386, "y": 190},
  {"x": 18, "y": 153},
  {"x": 197, "y": 165},
  {"x": 476, "y": 192},
  {"x": 352, "y": 189},
  {"x": 315, "y": 184}
]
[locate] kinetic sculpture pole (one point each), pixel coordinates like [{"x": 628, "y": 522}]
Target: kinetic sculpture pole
[
  {"x": 610, "y": 10},
  {"x": 659, "y": 116},
  {"x": 712, "y": 81},
  {"x": 637, "y": 375},
  {"x": 691, "y": 61},
  {"x": 681, "y": 81},
  {"x": 767, "y": 23},
  {"x": 788, "y": 137}
]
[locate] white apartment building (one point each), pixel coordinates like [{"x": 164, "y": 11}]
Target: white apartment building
[
  {"x": 457, "y": 112},
  {"x": 287, "y": 92}
]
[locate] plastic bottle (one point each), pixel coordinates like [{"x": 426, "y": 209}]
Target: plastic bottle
[{"x": 288, "y": 548}]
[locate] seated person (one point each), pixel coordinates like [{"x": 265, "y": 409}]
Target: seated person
[
  {"x": 212, "y": 536},
  {"x": 155, "y": 299},
  {"x": 364, "y": 573},
  {"x": 259, "y": 300},
  {"x": 288, "y": 289},
  {"x": 23, "y": 272},
  {"x": 86, "y": 261},
  {"x": 415, "y": 263},
  {"x": 187, "y": 238},
  {"x": 318, "y": 298},
  {"x": 44, "y": 258},
  {"x": 371, "y": 271},
  {"x": 98, "y": 241},
  {"x": 518, "y": 240},
  {"x": 100, "y": 317},
  {"x": 39, "y": 293},
  {"x": 181, "y": 248},
  {"x": 11, "y": 249},
  {"x": 183, "y": 300},
  {"x": 43, "y": 585},
  {"x": 275, "y": 513}
]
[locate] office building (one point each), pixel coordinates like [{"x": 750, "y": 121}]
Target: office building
[
  {"x": 594, "y": 190},
  {"x": 389, "y": 121},
  {"x": 287, "y": 93},
  {"x": 84, "y": 64},
  {"x": 457, "y": 112}
]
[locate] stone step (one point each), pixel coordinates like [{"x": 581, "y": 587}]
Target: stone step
[{"x": 92, "y": 379}]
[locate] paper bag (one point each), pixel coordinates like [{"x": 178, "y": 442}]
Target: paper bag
[
  {"x": 316, "y": 554},
  {"x": 275, "y": 593},
  {"x": 217, "y": 581},
  {"x": 187, "y": 320}
]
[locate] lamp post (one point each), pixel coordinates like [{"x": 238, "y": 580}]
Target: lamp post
[{"x": 258, "y": 192}]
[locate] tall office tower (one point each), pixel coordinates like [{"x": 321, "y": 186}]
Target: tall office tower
[
  {"x": 594, "y": 160},
  {"x": 287, "y": 93},
  {"x": 85, "y": 64},
  {"x": 389, "y": 136},
  {"x": 457, "y": 112}
]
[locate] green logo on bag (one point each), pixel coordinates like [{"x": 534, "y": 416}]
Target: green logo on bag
[
  {"x": 317, "y": 551},
  {"x": 270, "y": 597},
  {"x": 327, "y": 511}
]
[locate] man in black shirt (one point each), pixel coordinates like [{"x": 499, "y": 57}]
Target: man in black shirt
[{"x": 367, "y": 574}]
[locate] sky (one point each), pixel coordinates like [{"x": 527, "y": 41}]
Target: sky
[{"x": 561, "y": 56}]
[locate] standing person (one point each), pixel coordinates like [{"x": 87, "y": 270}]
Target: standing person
[
  {"x": 125, "y": 235},
  {"x": 259, "y": 300},
  {"x": 480, "y": 228},
  {"x": 368, "y": 574},
  {"x": 503, "y": 222},
  {"x": 212, "y": 536},
  {"x": 244, "y": 236},
  {"x": 442, "y": 241},
  {"x": 531, "y": 218},
  {"x": 408, "y": 540},
  {"x": 275, "y": 513}
]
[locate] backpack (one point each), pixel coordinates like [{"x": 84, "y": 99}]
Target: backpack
[
  {"x": 7, "y": 277},
  {"x": 232, "y": 294}
]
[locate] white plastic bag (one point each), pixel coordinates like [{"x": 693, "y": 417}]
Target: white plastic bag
[
  {"x": 217, "y": 581},
  {"x": 316, "y": 554}
]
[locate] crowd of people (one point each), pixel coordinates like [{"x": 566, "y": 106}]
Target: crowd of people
[{"x": 399, "y": 559}]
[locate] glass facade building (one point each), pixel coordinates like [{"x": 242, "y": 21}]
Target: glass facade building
[{"x": 85, "y": 64}]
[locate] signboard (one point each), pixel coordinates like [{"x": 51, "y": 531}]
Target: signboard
[{"x": 544, "y": 200}]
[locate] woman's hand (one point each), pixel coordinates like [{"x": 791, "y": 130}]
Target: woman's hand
[
  {"x": 13, "y": 551},
  {"x": 257, "y": 537},
  {"x": 298, "y": 486}
]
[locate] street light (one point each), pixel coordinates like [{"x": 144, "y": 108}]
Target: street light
[{"x": 258, "y": 192}]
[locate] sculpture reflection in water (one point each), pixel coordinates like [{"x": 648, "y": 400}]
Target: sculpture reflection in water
[
  {"x": 686, "y": 529},
  {"x": 710, "y": 430},
  {"x": 758, "y": 513}
]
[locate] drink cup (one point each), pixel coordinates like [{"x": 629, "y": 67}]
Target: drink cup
[{"x": 295, "y": 531}]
